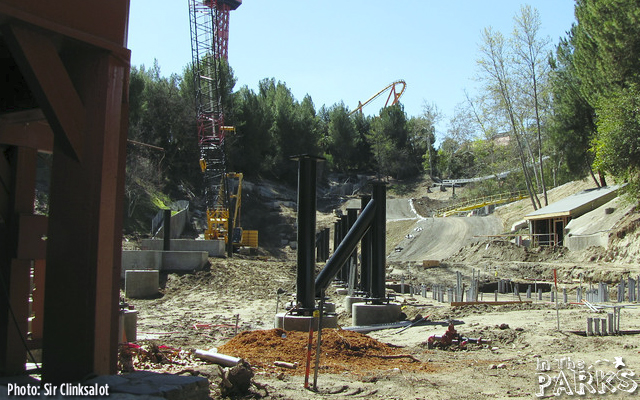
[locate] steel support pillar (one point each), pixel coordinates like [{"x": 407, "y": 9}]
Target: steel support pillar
[
  {"x": 378, "y": 243},
  {"x": 336, "y": 235},
  {"x": 346, "y": 247},
  {"x": 365, "y": 250},
  {"x": 166, "y": 243},
  {"x": 352, "y": 264},
  {"x": 344, "y": 225},
  {"x": 85, "y": 230},
  {"x": 307, "y": 167},
  {"x": 72, "y": 58}
]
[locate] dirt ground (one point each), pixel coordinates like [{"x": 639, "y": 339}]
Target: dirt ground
[{"x": 231, "y": 306}]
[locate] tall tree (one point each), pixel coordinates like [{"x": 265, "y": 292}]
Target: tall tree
[
  {"x": 343, "y": 139},
  {"x": 389, "y": 140},
  {"x": 572, "y": 125},
  {"x": 531, "y": 53},
  {"x": 498, "y": 77},
  {"x": 607, "y": 61}
]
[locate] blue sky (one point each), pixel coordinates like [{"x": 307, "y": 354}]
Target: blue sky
[{"x": 346, "y": 50}]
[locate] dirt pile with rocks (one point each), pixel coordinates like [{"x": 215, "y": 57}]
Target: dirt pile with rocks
[{"x": 341, "y": 351}]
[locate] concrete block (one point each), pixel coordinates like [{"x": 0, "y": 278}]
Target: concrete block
[
  {"x": 165, "y": 261},
  {"x": 582, "y": 242},
  {"x": 215, "y": 248},
  {"x": 370, "y": 314},
  {"x": 184, "y": 261},
  {"x": 349, "y": 301},
  {"x": 140, "y": 284},
  {"x": 301, "y": 323},
  {"x": 128, "y": 326}
]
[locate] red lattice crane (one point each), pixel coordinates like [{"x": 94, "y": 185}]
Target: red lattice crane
[{"x": 209, "y": 21}]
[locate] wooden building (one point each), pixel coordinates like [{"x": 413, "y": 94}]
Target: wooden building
[{"x": 547, "y": 224}]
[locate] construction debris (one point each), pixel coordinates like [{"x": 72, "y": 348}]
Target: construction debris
[{"x": 452, "y": 338}]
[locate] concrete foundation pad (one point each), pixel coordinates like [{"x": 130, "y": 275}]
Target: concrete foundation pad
[
  {"x": 165, "y": 261},
  {"x": 141, "y": 284},
  {"x": 349, "y": 301},
  {"x": 370, "y": 314},
  {"x": 342, "y": 291},
  {"x": 301, "y": 323},
  {"x": 329, "y": 307},
  {"x": 184, "y": 261},
  {"x": 128, "y": 326},
  {"x": 215, "y": 248}
]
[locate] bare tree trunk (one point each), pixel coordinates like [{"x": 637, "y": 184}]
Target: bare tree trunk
[{"x": 593, "y": 175}]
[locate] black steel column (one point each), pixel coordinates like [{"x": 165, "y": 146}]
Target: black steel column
[
  {"x": 306, "y": 232},
  {"x": 346, "y": 247},
  {"x": 378, "y": 244},
  {"x": 336, "y": 235},
  {"x": 352, "y": 216},
  {"x": 365, "y": 250},
  {"x": 166, "y": 244},
  {"x": 344, "y": 225},
  {"x": 326, "y": 234}
]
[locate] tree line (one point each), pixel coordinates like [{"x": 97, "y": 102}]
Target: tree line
[{"x": 547, "y": 112}]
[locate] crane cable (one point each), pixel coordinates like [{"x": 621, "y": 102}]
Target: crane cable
[{"x": 396, "y": 95}]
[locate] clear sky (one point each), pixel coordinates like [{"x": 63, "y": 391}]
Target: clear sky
[{"x": 346, "y": 50}]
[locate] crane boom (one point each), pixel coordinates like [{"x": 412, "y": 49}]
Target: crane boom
[{"x": 209, "y": 20}]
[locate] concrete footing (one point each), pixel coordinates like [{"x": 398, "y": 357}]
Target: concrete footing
[
  {"x": 141, "y": 284},
  {"x": 369, "y": 314},
  {"x": 329, "y": 307},
  {"x": 165, "y": 261},
  {"x": 349, "y": 301},
  {"x": 215, "y": 248},
  {"x": 301, "y": 323},
  {"x": 342, "y": 291},
  {"x": 128, "y": 326}
]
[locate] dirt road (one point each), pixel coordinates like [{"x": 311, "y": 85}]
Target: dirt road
[{"x": 435, "y": 238}]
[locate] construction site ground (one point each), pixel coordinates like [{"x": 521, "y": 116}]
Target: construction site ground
[{"x": 202, "y": 310}]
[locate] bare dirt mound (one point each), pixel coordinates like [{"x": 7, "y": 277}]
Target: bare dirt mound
[
  {"x": 341, "y": 351},
  {"x": 502, "y": 250}
]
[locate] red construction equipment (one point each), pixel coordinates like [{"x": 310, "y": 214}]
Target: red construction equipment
[{"x": 209, "y": 44}]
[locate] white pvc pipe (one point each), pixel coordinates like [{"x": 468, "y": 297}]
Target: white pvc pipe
[{"x": 217, "y": 358}]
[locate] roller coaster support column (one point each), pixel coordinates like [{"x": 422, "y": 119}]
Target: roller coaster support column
[
  {"x": 352, "y": 264},
  {"x": 365, "y": 249},
  {"x": 378, "y": 244},
  {"x": 306, "y": 232}
]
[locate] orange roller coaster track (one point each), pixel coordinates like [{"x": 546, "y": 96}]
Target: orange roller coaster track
[{"x": 392, "y": 98}]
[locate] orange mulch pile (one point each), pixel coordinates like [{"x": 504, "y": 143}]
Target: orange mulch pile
[{"x": 341, "y": 351}]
